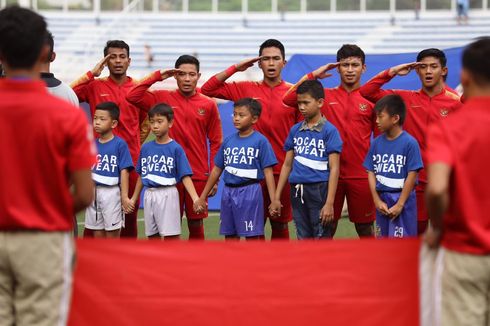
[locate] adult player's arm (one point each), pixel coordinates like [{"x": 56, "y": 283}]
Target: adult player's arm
[
  {"x": 440, "y": 160},
  {"x": 216, "y": 86},
  {"x": 214, "y": 133},
  {"x": 372, "y": 89},
  {"x": 83, "y": 189},
  {"x": 139, "y": 95},
  {"x": 437, "y": 198},
  {"x": 290, "y": 97},
  {"x": 327, "y": 213},
  {"x": 281, "y": 183},
  {"x": 408, "y": 186},
  {"x": 378, "y": 203},
  {"x": 81, "y": 86}
]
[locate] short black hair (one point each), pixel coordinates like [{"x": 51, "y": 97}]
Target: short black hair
[
  {"x": 162, "y": 109},
  {"x": 21, "y": 36},
  {"x": 183, "y": 59},
  {"x": 273, "y": 43},
  {"x": 476, "y": 59},
  {"x": 393, "y": 105},
  {"x": 49, "y": 41},
  {"x": 110, "y": 107},
  {"x": 350, "y": 50},
  {"x": 312, "y": 87},
  {"x": 118, "y": 44},
  {"x": 433, "y": 52},
  {"x": 254, "y": 106}
]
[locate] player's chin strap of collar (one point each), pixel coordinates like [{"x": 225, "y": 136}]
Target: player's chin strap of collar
[{"x": 299, "y": 187}]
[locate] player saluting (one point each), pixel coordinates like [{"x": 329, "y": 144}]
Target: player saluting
[
  {"x": 425, "y": 106},
  {"x": 196, "y": 121},
  {"x": 275, "y": 121},
  {"x": 354, "y": 117},
  {"x": 114, "y": 89}
]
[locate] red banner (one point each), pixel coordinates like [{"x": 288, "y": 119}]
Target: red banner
[{"x": 342, "y": 282}]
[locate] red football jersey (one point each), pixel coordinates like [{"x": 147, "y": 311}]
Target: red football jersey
[
  {"x": 95, "y": 91},
  {"x": 422, "y": 110},
  {"x": 43, "y": 139},
  {"x": 276, "y": 118},
  {"x": 195, "y": 119},
  {"x": 355, "y": 120},
  {"x": 462, "y": 141}
]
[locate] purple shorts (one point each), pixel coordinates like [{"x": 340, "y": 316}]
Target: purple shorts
[
  {"x": 405, "y": 225},
  {"x": 242, "y": 211}
]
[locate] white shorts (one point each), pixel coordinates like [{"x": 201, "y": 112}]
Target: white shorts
[
  {"x": 162, "y": 211},
  {"x": 105, "y": 212}
]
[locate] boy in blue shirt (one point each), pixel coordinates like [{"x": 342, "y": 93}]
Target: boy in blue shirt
[
  {"x": 393, "y": 162},
  {"x": 161, "y": 165},
  {"x": 312, "y": 165},
  {"x": 246, "y": 158},
  {"x": 111, "y": 175}
]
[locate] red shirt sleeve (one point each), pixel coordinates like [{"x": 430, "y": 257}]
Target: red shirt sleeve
[
  {"x": 214, "y": 134},
  {"x": 81, "y": 146},
  {"x": 290, "y": 98},
  {"x": 140, "y": 96},
  {"x": 438, "y": 147},
  {"x": 372, "y": 89},
  {"x": 81, "y": 86},
  {"x": 226, "y": 91}
]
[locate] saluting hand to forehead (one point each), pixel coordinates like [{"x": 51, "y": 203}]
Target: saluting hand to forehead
[
  {"x": 97, "y": 70},
  {"x": 404, "y": 69},
  {"x": 322, "y": 71},
  {"x": 167, "y": 73},
  {"x": 247, "y": 63}
]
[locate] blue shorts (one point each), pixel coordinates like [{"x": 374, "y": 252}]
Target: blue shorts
[
  {"x": 405, "y": 225},
  {"x": 242, "y": 211},
  {"x": 308, "y": 200}
]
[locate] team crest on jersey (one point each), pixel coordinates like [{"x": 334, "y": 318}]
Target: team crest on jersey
[
  {"x": 444, "y": 112},
  {"x": 363, "y": 107},
  {"x": 201, "y": 111}
]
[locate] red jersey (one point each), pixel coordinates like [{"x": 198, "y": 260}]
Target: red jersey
[
  {"x": 43, "y": 139},
  {"x": 422, "y": 110},
  {"x": 355, "y": 119},
  {"x": 275, "y": 120},
  {"x": 95, "y": 91},
  {"x": 462, "y": 142},
  {"x": 195, "y": 119}
]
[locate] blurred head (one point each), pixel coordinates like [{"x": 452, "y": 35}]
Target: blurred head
[
  {"x": 433, "y": 70},
  {"x": 390, "y": 111},
  {"x": 475, "y": 75},
  {"x": 119, "y": 59},
  {"x": 161, "y": 118},
  {"x": 352, "y": 64},
  {"x": 246, "y": 112},
  {"x": 310, "y": 98},
  {"x": 22, "y": 33},
  {"x": 106, "y": 117},
  {"x": 49, "y": 41},
  {"x": 273, "y": 59},
  {"x": 188, "y": 78}
]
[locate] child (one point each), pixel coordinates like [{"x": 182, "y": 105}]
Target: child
[
  {"x": 105, "y": 216},
  {"x": 161, "y": 165},
  {"x": 393, "y": 162},
  {"x": 312, "y": 164},
  {"x": 246, "y": 157}
]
